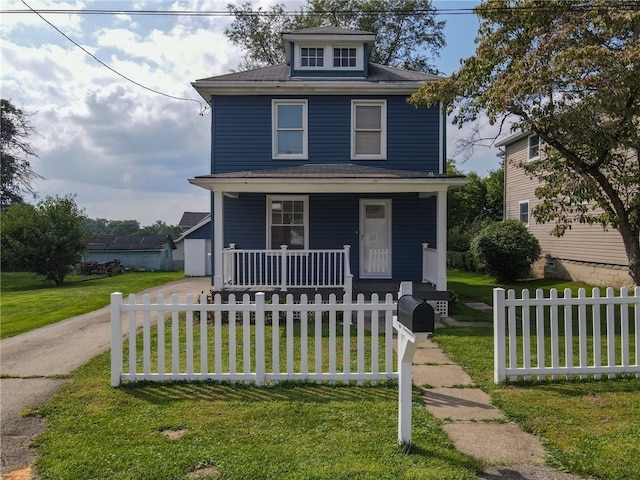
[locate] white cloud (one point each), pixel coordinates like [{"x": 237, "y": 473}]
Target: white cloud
[{"x": 124, "y": 151}]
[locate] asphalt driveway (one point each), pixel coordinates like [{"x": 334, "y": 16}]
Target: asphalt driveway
[{"x": 32, "y": 363}]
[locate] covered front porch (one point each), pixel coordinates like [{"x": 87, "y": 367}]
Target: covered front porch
[
  {"x": 419, "y": 199},
  {"x": 285, "y": 269}
]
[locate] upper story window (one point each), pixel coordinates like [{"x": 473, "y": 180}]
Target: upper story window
[
  {"x": 312, "y": 57},
  {"x": 327, "y": 57},
  {"x": 289, "y": 119},
  {"x": 534, "y": 147},
  {"x": 344, "y": 57},
  {"x": 523, "y": 212},
  {"x": 369, "y": 129}
]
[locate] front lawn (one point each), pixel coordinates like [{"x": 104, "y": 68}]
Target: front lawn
[
  {"x": 290, "y": 431},
  {"x": 29, "y": 302},
  {"x": 588, "y": 427}
]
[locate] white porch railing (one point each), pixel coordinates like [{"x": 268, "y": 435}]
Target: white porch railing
[
  {"x": 252, "y": 341},
  {"x": 552, "y": 336},
  {"x": 429, "y": 264},
  {"x": 284, "y": 268}
]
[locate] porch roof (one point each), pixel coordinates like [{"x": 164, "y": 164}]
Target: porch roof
[{"x": 329, "y": 178}]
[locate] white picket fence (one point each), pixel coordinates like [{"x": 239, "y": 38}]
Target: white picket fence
[
  {"x": 563, "y": 337},
  {"x": 179, "y": 342}
]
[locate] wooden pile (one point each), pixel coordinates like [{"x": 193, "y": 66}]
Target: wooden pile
[{"x": 90, "y": 267}]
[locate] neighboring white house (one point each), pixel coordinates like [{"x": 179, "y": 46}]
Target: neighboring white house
[{"x": 586, "y": 252}]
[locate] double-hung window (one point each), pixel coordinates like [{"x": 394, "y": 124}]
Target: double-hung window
[
  {"x": 289, "y": 119},
  {"x": 534, "y": 147},
  {"x": 368, "y": 129},
  {"x": 523, "y": 212},
  {"x": 312, "y": 57},
  {"x": 288, "y": 221},
  {"x": 345, "y": 57}
]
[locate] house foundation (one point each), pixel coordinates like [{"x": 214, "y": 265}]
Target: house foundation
[{"x": 597, "y": 274}]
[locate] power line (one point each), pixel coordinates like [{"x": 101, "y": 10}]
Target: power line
[
  {"x": 202, "y": 108},
  {"x": 628, "y": 5}
]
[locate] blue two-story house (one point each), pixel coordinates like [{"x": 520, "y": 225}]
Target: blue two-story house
[{"x": 322, "y": 174}]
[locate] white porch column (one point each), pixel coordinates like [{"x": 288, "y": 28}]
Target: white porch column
[
  {"x": 441, "y": 279},
  {"x": 218, "y": 239}
]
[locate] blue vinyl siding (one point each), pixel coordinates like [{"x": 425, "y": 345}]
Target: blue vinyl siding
[
  {"x": 242, "y": 133},
  {"x": 202, "y": 233},
  {"x": 334, "y": 222}
]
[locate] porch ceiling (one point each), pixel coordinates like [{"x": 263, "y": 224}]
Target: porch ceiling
[{"x": 329, "y": 178}]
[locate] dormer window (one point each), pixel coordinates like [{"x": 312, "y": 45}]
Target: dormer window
[
  {"x": 329, "y": 57},
  {"x": 312, "y": 57},
  {"x": 344, "y": 57}
]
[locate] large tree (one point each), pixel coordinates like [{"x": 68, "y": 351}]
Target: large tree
[
  {"x": 47, "y": 239},
  {"x": 567, "y": 70},
  {"x": 409, "y": 36},
  {"x": 16, "y": 174}
]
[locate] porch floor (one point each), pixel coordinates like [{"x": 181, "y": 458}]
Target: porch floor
[{"x": 423, "y": 291}]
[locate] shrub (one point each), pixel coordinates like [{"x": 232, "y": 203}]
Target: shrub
[
  {"x": 462, "y": 261},
  {"x": 506, "y": 250}
]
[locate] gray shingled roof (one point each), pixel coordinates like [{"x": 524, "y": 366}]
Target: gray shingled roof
[
  {"x": 331, "y": 171},
  {"x": 190, "y": 219},
  {"x": 130, "y": 243},
  {"x": 329, "y": 31},
  {"x": 281, "y": 73}
]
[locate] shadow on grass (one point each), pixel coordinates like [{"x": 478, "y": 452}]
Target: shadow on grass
[{"x": 169, "y": 392}]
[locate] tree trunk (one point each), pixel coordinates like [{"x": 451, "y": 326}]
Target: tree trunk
[{"x": 631, "y": 240}]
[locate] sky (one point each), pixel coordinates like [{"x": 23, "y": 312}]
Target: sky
[{"x": 122, "y": 150}]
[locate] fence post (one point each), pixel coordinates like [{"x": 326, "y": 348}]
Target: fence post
[
  {"x": 499, "y": 353},
  {"x": 348, "y": 276},
  {"x": 283, "y": 268},
  {"x": 116, "y": 338},
  {"x": 260, "y": 360},
  {"x": 406, "y": 288}
]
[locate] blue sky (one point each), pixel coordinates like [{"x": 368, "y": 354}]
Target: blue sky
[{"x": 126, "y": 153}]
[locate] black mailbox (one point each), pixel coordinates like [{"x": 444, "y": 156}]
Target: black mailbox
[{"x": 416, "y": 315}]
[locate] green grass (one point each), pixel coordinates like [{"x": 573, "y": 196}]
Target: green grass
[
  {"x": 288, "y": 431},
  {"x": 589, "y": 427},
  {"x": 471, "y": 286},
  {"x": 225, "y": 342},
  {"x": 28, "y": 302}
]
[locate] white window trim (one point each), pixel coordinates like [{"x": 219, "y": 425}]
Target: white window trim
[
  {"x": 529, "y": 157},
  {"x": 274, "y": 130},
  {"x": 523, "y": 202},
  {"x": 328, "y": 57},
  {"x": 383, "y": 128},
  {"x": 304, "y": 199}
]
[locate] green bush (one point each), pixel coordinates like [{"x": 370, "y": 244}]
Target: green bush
[
  {"x": 462, "y": 261},
  {"x": 506, "y": 250}
]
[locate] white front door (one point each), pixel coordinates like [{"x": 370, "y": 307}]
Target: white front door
[{"x": 375, "y": 238}]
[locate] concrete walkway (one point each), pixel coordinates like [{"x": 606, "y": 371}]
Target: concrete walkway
[{"x": 473, "y": 424}]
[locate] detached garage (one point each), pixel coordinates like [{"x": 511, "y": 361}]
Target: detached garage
[
  {"x": 136, "y": 252},
  {"x": 195, "y": 245}
]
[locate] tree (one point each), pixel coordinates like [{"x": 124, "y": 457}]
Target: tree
[
  {"x": 160, "y": 228},
  {"x": 473, "y": 206},
  {"x": 16, "y": 174},
  {"x": 47, "y": 239},
  {"x": 567, "y": 71},
  {"x": 408, "y": 33}
]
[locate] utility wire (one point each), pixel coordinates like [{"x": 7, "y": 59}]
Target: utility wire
[
  {"x": 202, "y": 108},
  {"x": 627, "y": 5}
]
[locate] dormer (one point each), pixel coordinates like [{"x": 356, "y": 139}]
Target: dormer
[{"x": 328, "y": 52}]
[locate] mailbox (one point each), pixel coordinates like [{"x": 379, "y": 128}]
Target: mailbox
[{"x": 416, "y": 315}]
